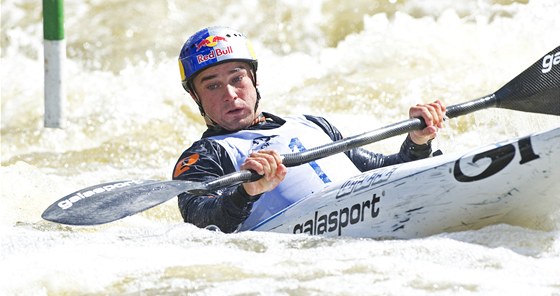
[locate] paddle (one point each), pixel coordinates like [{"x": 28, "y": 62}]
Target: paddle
[{"x": 535, "y": 90}]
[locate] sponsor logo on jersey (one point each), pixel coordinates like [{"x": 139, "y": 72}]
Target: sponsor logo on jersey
[{"x": 185, "y": 164}]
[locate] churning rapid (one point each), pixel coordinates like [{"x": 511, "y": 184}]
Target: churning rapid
[{"x": 360, "y": 64}]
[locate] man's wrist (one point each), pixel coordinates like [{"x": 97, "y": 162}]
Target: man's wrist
[{"x": 241, "y": 190}]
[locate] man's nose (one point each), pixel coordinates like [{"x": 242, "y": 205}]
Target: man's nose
[{"x": 230, "y": 92}]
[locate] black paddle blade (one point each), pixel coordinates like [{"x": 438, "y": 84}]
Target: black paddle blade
[
  {"x": 112, "y": 201},
  {"x": 536, "y": 90}
]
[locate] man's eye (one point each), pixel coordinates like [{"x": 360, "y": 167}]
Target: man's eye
[
  {"x": 213, "y": 86},
  {"x": 237, "y": 78}
]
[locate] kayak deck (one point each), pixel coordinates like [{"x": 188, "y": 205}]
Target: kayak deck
[{"x": 514, "y": 181}]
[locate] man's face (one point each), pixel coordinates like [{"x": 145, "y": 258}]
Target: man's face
[{"x": 227, "y": 94}]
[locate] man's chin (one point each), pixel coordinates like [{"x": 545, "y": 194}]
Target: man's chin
[{"x": 236, "y": 125}]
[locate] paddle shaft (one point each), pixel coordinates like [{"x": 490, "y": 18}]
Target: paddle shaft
[
  {"x": 535, "y": 90},
  {"x": 295, "y": 159}
]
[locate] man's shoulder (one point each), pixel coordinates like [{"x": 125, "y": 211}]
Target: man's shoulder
[
  {"x": 304, "y": 117},
  {"x": 203, "y": 146},
  {"x": 319, "y": 120}
]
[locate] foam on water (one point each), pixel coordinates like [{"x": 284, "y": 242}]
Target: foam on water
[{"x": 361, "y": 64}]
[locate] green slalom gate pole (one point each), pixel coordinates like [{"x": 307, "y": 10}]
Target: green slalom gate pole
[{"x": 55, "y": 56}]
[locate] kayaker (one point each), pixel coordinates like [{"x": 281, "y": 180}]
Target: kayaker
[{"x": 219, "y": 70}]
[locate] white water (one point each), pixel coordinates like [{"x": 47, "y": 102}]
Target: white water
[{"x": 358, "y": 63}]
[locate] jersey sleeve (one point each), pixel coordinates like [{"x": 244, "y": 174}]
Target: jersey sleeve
[
  {"x": 226, "y": 208},
  {"x": 366, "y": 160}
]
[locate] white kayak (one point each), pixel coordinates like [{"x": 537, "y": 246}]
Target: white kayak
[{"x": 513, "y": 180}]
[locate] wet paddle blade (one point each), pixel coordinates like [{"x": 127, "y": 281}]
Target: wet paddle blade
[
  {"x": 536, "y": 90},
  {"x": 112, "y": 201}
]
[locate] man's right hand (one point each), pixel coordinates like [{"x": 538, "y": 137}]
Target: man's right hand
[{"x": 268, "y": 164}]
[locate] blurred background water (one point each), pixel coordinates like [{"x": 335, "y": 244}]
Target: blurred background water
[{"x": 360, "y": 64}]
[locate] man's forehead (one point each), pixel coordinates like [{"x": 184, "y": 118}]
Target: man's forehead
[{"x": 221, "y": 69}]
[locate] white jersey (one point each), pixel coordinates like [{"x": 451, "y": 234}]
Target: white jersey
[{"x": 296, "y": 135}]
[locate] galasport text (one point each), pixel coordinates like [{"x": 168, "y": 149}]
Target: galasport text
[
  {"x": 549, "y": 61},
  {"x": 67, "y": 203},
  {"x": 367, "y": 210},
  {"x": 357, "y": 213}
]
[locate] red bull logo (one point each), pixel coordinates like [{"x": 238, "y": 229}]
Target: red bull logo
[
  {"x": 215, "y": 53},
  {"x": 210, "y": 41}
]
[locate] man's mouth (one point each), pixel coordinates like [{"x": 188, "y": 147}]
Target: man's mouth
[{"x": 235, "y": 111}]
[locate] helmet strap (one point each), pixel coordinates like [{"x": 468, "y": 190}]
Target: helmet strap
[
  {"x": 190, "y": 89},
  {"x": 258, "y": 99},
  {"x": 254, "y": 77}
]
